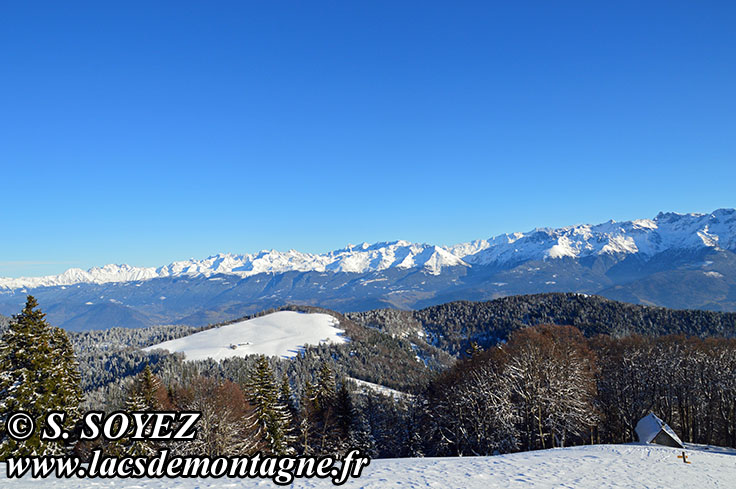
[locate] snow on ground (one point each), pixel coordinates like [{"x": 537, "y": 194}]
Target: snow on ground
[
  {"x": 598, "y": 466},
  {"x": 282, "y": 334},
  {"x": 381, "y": 389}
]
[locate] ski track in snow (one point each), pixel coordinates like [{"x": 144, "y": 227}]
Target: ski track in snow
[
  {"x": 609, "y": 466},
  {"x": 282, "y": 333}
]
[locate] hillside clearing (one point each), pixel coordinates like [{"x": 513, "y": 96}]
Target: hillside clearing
[{"x": 281, "y": 334}]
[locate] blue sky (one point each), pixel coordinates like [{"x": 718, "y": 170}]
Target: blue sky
[{"x": 141, "y": 134}]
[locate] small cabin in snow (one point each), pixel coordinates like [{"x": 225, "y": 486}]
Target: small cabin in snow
[{"x": 651, "y": 429}]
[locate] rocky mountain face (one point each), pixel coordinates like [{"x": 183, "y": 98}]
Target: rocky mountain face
[{"x": 674, "y": 260}]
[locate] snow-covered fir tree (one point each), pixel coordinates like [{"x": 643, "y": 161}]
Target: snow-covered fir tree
[
  {"x": 38, "y": 374},
  {"x": 329, "y": 414},
  {"x": 271, "y": 416},
  {"x": 144, "y": 394}
]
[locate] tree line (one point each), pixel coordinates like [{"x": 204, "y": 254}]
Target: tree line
[
  {"x": 550, "y": 386},
  {"x": 453, "y": 326}
]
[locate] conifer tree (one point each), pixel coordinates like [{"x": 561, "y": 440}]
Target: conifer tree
[
  {"x": 324, "y": 393},
  {"x": 320, "y": 414},
  {"x": 362, "y": 437},
  {"x": 307, "y": 420},
  {"x": 148, "y": 388},
  {"x": 285, "y": 395},
  {"x": 271, "y": 418},
  {"x": 38, "y": 374},
  {"x": 344, "y": 418},
  {"x": 67, "y": 374},
  {"x": 143, "y": 395},
  {"x": 286, "y": 398}
]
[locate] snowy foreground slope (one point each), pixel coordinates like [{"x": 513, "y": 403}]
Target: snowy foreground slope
[
  {"x": 609, "y": 466},
  {"x": 281, "y": 334}
]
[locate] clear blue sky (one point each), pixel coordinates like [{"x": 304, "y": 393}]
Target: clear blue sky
[{"x": 144, "y": 132}]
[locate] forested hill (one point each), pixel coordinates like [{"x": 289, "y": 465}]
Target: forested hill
[{"x": 454, "y": 325}]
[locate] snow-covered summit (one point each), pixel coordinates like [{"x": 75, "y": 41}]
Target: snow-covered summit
[
  {"x": 647, "y": 237},
  {"x": 108, "y": 273},
  {"x": 358, "y": 259}
]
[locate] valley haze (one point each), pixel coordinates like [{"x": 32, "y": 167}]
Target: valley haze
[{"x": 672, "y": 260}]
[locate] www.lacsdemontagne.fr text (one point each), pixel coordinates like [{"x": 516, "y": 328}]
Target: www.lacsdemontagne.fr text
[
  {"x": 281, "y": 469},
  {"x": 161, "y": 425}
]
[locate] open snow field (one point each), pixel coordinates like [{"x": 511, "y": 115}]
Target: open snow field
[
  {"x": 598, "y": 466},
  {"x": 282, "y": 333}
]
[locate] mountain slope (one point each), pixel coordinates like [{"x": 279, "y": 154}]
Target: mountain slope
[{"x": 282, "y": 334}]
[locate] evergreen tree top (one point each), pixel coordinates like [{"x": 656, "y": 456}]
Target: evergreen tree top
[{"x": 30, "y": 311}]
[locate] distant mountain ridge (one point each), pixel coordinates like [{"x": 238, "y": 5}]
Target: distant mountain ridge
[
  {"x": 644, "y": 237},
  {"x": 680, "y": 261},
  {"x": 352, "y": 259}
]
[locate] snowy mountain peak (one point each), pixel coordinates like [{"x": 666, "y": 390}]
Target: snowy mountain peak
[{"x": 646, "y": 237}]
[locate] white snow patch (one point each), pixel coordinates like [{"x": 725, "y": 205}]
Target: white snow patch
[
  {"x": 381, "y": 389},
  {"x": 564, "y": 247},
  {"x": 366, "y": 282},
  {"x": 282, "y": 333}
]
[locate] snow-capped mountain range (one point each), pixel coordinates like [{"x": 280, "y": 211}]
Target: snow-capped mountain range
[
  {"x": 684, "y": 261},
  {"x": 643, "y": 237},
  {"x": 646, "y": 237}
]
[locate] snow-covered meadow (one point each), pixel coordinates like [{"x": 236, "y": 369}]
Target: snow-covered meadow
[
  {"x": 282, "y": 334},
  {"x": 594, "y": 467}
]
